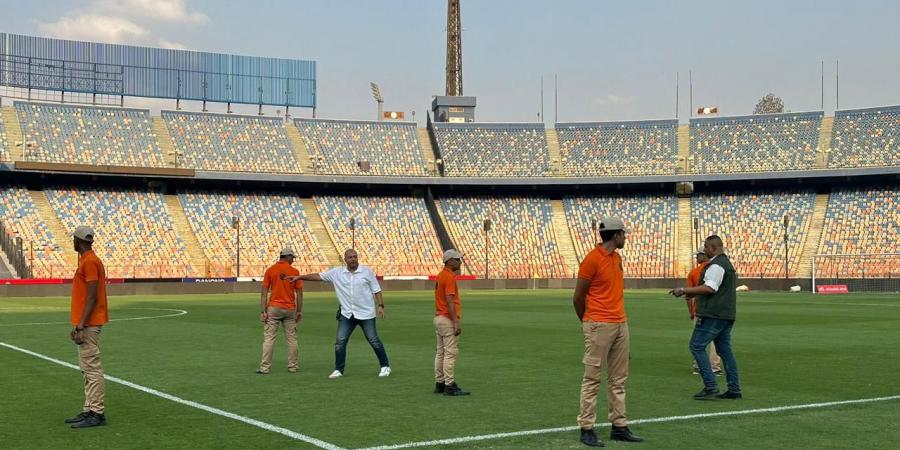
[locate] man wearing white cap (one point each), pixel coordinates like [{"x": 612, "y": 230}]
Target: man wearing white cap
[
  {"x": 284, "y": 306},
  {"x": 599, "y": 302},
  {"x": 447, "y": 328},
  {"x": 88, "y": 315}
]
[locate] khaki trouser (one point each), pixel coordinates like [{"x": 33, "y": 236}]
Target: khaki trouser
[
  {"x": 89, "y": 362},
  {"x": 714, "y": 359},
  {"x": 446, "y": 351},
  {"x": 605, "y": 344},
  {"x": 286, "y": 318}
]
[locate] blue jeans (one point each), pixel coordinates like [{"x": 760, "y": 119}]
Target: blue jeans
[
  {"x": 717, "y": 331},
  {"x": 345, "y": 329}
]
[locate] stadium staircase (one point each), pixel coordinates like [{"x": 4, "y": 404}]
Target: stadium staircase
[
  {"x": 553, "y": 149},
  {"x": 824, "y": 142},
  {"x": 7, "y": 271},
  {"x": 299, "y": 147},
  {"x": 166, "y": 146},
  {"x": 14, "y": 137},
  {"x": 192, "y": 245},
  {"x": 564, "y": 240},
  {"x": 684, "y": 146},
  {"x": 813, "y": 237},
  {"x": 437, "y": 221},
  {"x": 320, "y": 232},
  {"x": 62, "y": 236},
  {"x": 685, "y": 248},
  {"x": 427, "y": 149}
]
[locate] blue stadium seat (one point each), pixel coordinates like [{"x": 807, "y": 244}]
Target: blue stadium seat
[
  {"x": 866, "y": 138},
  {"x": 493, "y": 150},
  {"x": 618, "y": 148}
]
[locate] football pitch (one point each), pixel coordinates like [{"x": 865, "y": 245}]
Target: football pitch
[{"x": 817, "y": 372}]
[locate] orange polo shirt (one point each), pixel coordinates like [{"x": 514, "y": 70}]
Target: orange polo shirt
[
  {"x": 446, "y": 284},
  {"x": 281, "y": 292},
  {"x": 606, "y": 295},
  {"x": 90, "y": 268},
  {"x": 693, "y": 280}
]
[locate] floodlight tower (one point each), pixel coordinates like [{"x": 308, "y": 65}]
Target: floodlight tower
[
  {"x": 376, "y": 92},
  {"x": 453, "y": 106}
]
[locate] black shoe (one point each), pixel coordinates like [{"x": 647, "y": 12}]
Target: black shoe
[
  {"x": 439, "y": 388},
  {"x": 453, "y": 390},
  {"x": 78, "y": 418},
  {"x": 706, "y": 393},
  {"x": 260, "y": 372},
  {"x": 624, "y": 434},
  {"x": 91, "y": 420},
  {"x": 730, "y": 395},
  {"x": 589, "y": 438}
]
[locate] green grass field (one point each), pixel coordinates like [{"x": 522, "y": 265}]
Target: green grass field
[{"x": 520, "y": 357}]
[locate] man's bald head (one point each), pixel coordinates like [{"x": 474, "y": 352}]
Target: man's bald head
[
  {"x": 351, "y": 258},
  {"x": 712, "y": 246}
]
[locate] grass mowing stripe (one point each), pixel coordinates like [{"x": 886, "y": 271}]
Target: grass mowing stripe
[
  {"x": 256, "y": 423},
  {"x": 484, "y": 437},
  {"x": 178, "y": 312}
]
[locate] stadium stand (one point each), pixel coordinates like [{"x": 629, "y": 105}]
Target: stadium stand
[
  {"x": 521, "y": 242},
  {"x": 493, "y": 150},
  {"x": 866, "y": 138},
  {"x": 20, "y": 218},
  {"x": 752, "y": 226},
  {"x": 88, "y": 135},
  {"x": 770, "y": 142},
  {"x": 618, "y": 148},
  {"x": 652, "y": 221},
  {"x": 4, "y": 151},
  {"x": 338, "y": 147},
  {"x": 231, "y": 143},
  {"x": 861, "y": 221},
  {"x": 268, "y": 223},
  {"x": 135, "y": 235},
  {"x": 394, "y": 235}
]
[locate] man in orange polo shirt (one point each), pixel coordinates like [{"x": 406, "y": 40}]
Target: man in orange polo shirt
[
  {"x": 284, "y": 306},
  {"x": 599, "y": 302},
  {"x": 88, "y": 315},
  {"x": 447, "y": 328},
  {"x": 693, "y": 280}
]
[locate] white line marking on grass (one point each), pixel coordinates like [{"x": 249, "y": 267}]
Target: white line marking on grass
[
  {"x": 192, "y": 404},
  {"x": 177, "y": 312},
  {"x": 484, "y": 437},
  {"x": 895, "y": 305}
]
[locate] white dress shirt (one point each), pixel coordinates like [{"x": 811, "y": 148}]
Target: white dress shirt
[
  {"x": 714, "y": 275},
  {"x": 355, "y": 290}
]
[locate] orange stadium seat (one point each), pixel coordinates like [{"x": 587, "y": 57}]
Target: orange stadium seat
[
  {"x": 21, "y": 219},
  {"x": 618, "y": 148},
  {"x": 866, "y": 138},
  {"x": 493, "y": 150}
]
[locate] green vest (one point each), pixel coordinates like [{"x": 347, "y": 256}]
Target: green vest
[{"x": 723, "y": 303}]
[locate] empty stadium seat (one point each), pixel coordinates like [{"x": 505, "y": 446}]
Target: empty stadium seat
[
  {"x": 493, "y": 150},
  {"x": 652, "y": 221},
  {"x": 20, "y": 218},
  {"x": 88, "y": 135},
  {"x": 385, "y": 148},
  {"x": 231, "y": 143},
  {"x": 862, "y": 221},
  {"x": 135, "y": 236},
  {"x": 752, "y": 226},
  {"x": 766, "y": 142},
  {"x": 866, "y": 138},
  {"x": 4, "y": 151},
  {"x": 521, "y": 242},
  {"x": 618, "y": 148},
  {"x": 394, "y": 235},
  {"x": 268, "y": 222}
]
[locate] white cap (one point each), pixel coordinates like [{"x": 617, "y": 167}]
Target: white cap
[
  {"x": 287, "y": 251},
  {"x": 84, "y": 233},
  {"x": 612, "y": 223},
  {"x": 452, "y": 254}
]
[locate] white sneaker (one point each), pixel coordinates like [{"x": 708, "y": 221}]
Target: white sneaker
[
  {"x": 385, "y": 371},
  {"x": 335, "y": 374}
]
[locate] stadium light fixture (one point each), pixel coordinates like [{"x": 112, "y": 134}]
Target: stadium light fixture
[{"x": 376, "y": 93}]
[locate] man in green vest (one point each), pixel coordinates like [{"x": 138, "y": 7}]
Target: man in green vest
[{"x": 716, "y": 310}]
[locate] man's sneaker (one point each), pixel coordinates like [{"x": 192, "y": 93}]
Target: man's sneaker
[
  {"x": 589, "y": 438},
  {"x": 335, "y": 374},
  {"x": 706, "y": 393},
  {"x": 439, "y": 388},
  {"x": 293, "y": 370},
  {"x": 731, "y": 395},
  {"x": 78, "y": 418},
  {"x": 92, "y": 419},
  {"x": 260, "y": 372},
  {"x": 453, "y": 390},
  {"x": 624, "y": 434},
  {"x": 385, "y": 371},
  {"x": 718, "y": 372},
  {"x": 695, "y": 371}
]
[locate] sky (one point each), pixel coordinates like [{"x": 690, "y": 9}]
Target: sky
[{"x": 614, "y": 60}]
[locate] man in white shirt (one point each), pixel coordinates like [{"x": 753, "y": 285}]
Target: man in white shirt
[{"x": 355, "y": 286}]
